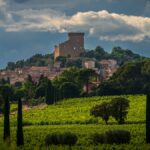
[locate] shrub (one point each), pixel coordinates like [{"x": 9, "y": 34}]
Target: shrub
[
  {"x": 69, "y": 90},
  {"x": 66, "y": 138},
  {"x": 97, "y": 138},
  {"x": 69, "y": 138},
  {"x": 35, "y": 102},
  {"x": 52, "y": 139},
  {"x": 102, "y": 111},
  {"x": 148, "y": 119},
  {"x": 117, "y": 137},
  {"x": 119, "y": 108}
]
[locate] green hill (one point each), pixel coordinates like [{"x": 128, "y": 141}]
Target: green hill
[
  {"x": 77, "y": 111},
  {"x": 73, "y": 115},
  {"x": 121, "y": 55}
]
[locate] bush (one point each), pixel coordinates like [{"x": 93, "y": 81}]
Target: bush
[
  {"x": 66, "y": 138},
  {"x": 97, "y": 138},
  {"x": 35, "y": 102},
  {"x": 102, "y": 111},
  {"x": 119, "y": 108},
  {"x": 111, "y": 137},
  {"x": 69, "y": 138},
  {"x": 69, "y": 90},
  {"x": 117, "y": 137}
]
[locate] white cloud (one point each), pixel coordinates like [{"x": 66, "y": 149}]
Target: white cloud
[
  {"x": 101, "y": 24},
  {"x": 2, "y": 3}
]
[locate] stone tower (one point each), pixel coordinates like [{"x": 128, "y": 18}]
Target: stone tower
[{"x": 73, "y": 47}]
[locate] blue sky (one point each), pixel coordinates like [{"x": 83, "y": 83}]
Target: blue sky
[{"x": 28, "y": 27}]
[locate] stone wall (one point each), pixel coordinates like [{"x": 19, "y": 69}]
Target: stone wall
[{"x": 71, "y": 48}]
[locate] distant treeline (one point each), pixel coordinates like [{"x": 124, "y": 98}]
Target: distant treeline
[
  {"x": 131, "y": 78},
  {"x": 121, "y": 55},
  {"x": 35, "y": 60}
]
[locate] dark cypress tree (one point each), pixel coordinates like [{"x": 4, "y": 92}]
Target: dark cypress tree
[
  {"x": 48, "y": 93},
  {"x": 6, "y": 119},
  {"x": 6, "y": 93},
  {"x": 20, "y": 138},
  {"x": 148, "y": 119}
]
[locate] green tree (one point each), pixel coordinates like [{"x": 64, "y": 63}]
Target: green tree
[
  {"x": 131, "y": 78},
  {"x": 10, "y": 66},
  {"x": 85, "y": 76},
  {"x": 20, "y": 64},
  {"x": 69, "y": 90},
  {"x": 119, "y": 109},
  {"x": 148, "y": 119},
  {"x": 1, "y": 104},
  {"x": 20, "y": 138},
  {"x": 41, "y": 87},
  {"x": 68, "y": 75},
  {"x": 7, "y": 93},
  {"x": 50, "y": 93},
  {"x": 40, "y": 91},
  {"x": 29, "y": 88},
  {"x": 102, "y": 111}
]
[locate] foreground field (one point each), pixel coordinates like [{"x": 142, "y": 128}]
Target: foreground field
[
  {"x": 73, "y": 115},
  {"x": 77, "y": 111},
  {"x": 34, "y": 135}
]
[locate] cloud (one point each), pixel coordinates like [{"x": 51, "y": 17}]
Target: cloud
[
  {"x": 2, "y": 3},
  {"x": 100, "y": 24}
]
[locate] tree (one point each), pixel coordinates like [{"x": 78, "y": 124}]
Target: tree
[
  {"x": 74, "y": 63},
  {"x": 7, "y": 94},
  {"x": 41, "y": 87},
  {"x": 119, "y": 108},
  {"x": 40, "y": 91},
  {"x": 69, "y": 90},
  {"x": 29, "y": 78},
  {"x": 84, "y": 77},
  {"x": 102, "y": 111},
  {"x": 10, "y": 66},
  {"x": 131, "y": 78},
  {"x": 50, "y": 93},
  {"x": 100, "y": 53},
  {"x": 29, "y": 87},
  {"x": 68, "y": 75},
  {"x": 148, "y": 119},
  {"x": 1, "y": 104},
  {"x": 20, "y": 139},
  {"x": 19, "y": 94},
  {"x": 4, "y": 81}
]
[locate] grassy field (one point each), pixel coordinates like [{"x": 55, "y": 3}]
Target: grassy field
[{"x": 73, "y": 115}]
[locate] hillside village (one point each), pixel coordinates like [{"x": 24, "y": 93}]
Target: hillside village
[{"x": 72, "y": 49}]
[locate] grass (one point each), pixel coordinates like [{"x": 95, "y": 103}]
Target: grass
[
  {"x": 77, "y": 111},
  {"x": 35, "y": 135},
  {"x": 73, "y": 115}
]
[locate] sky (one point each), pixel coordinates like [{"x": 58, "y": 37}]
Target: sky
[{"x": 28, "y": 27}]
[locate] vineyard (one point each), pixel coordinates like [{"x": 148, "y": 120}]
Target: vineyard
[{"x": 74, "y": 115}]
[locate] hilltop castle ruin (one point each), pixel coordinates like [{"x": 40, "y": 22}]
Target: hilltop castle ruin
[{"x": 73, "y": 47}]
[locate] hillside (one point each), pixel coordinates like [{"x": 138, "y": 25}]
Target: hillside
[
  {"x": 73, "y": 115},
  {"x": 35, "y": 60},
  {"x": 76, "y": 111},
  {"x": 121, "y": 55},
  {"x": 130, "y": 78}
]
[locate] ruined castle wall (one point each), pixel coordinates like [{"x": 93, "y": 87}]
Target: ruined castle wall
[{"x": 73, "y": 47}]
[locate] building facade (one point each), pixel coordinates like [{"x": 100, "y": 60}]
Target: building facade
[
  {"x": 73, "y": 47},
  {"x": 89, "y": 64}
]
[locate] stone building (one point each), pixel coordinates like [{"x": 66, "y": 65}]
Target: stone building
[
  {"x": 73, "y": 47},
  {"x": 89, "y": 64},
  {"x": 108, "y": 67}
]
